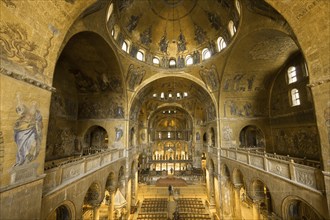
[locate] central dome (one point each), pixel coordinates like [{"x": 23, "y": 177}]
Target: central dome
[
  {"x": 173, "y": 29},
  {"x": 172, "y": 10}
]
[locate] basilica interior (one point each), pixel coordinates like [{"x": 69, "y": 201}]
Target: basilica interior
[{"x": 165, "y": 109}]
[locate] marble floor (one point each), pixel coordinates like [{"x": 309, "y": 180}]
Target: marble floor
[{"x": 152, "y": 191}]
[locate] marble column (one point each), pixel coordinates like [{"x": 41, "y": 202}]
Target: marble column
[
  {"x": 133, "y": 188},
  {"x": 211, "y": 178},
  {"x": 256, "y": 209},
  {"x": 111, "y": 205},
  {"x": 238, "y": 212},
  {"x": 96, "y": 213}
]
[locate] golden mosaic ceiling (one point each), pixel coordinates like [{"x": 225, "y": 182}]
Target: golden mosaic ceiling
[{"x": 174, "y": 27}]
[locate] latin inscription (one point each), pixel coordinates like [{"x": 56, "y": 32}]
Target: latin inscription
[{"x": 308, "y": 8}]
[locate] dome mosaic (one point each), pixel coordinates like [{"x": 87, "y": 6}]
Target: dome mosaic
[{"x": 173, "y": 33}]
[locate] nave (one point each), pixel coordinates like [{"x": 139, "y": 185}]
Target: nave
[
  {"x": 188, "y": 203},
  {"x": 184, "y": 203}
]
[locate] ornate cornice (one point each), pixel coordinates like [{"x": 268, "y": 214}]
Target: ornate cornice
[{"x": 27, "y": 79}]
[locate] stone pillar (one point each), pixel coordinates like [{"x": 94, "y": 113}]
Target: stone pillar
[
  {"x": 255, "y": 209},
  {"x": 111, "y": 205},
  {"x": 211, "y": 179},
  {"x": 133, "y": 188},
  {"x": 238, "y": 213},
  {"x": 322, "y": 113},
  {"x": 96, "y": 214}
]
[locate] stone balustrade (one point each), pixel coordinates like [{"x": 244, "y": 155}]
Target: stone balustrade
[
  {"x": 306, "y": 176},
  {"x": 76, "y": 168},
  {"x": 170, "y": 161}
]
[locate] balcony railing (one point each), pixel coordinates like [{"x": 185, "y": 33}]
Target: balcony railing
[
  {"x": 75, "y": 168},
  {"x": 170, "y": 161},
  {"x": 307, "y": 176}
]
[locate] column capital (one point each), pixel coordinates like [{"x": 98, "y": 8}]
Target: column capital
[
  {"x": 95, "y": 204},
  {"x": 238, "y": 186},
  {"x": 257, "y": 200},
  {"x": 111, "y": 189}
]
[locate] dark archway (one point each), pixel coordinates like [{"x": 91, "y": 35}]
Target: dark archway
[
  {"x": 260, "y": 192},
  {"x": 89, "y": 86},
  {"x": 251, "y": 137},
  {"x": 299, "y": 210},
  {"x": 63, "y": 213},
  {"x": 93, "y": 198},
  {"x": 95, "y": 140}
]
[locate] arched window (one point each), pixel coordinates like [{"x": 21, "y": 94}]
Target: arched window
[
  {"x": 221, "y": 44},
  {"x": 172, "y": 63},
  {"x": 292, "y": 74},
  {"x": 115, "y": 31},
  {"x": 295, "y": 98},
  {"x": 124, "y": 46},
  {"x": 238, "y": 7},
  {"x": 140, "y": 55},
  {"x": 155, "y": 61},
  {"x": 189, "y": 60},
  {"x": 232, "y": 28},
  {"x": 206, "y": 54},
  {"x": 109, "y": 11}
]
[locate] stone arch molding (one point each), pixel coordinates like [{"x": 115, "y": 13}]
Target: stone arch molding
[
  {"x": 290, "y": 199},
  {"x": 303, "y": 16},
  {"x": 186, "y": 76},
  {"x": 94, "y": 194},
  {"x": 69, "y": 205},
  {"x": 237, "y": 177}
]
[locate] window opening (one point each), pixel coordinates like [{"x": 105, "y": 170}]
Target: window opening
[
  {"x": 155, "y": 60},
  {"x": 139, "y": 56},
  {"x": 206, "y": 54},
  {"x": 232, "y": 28},
  {"x": 221, "y": 44},
  {"x": 189, "y": 60},
  {"x": 124, "y": 47},
  {"x": 295, "y": 97},
  {"x": 292, "y": 75}
]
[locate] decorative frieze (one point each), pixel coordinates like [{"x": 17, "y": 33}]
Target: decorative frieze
[
  {"x": 242, "y": 157},
  {"x": 72, "y": 171},
  {"x": 293, "y": 172},
  {"x": 27, "y": 79},
  {"x": 279, "y": 168},
  {"x": 92, "y": 164},
  {"x": 257, "y": 162},
  {"x": 305, "y": 177}
]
